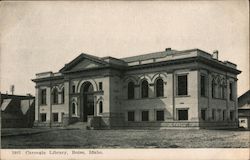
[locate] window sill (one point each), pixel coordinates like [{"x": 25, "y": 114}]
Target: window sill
[
  {"x": 181, "y": 96},
  {"x": 204, "y": 96}
]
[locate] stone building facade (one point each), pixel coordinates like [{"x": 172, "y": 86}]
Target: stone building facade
[{"x": 167, "y": 89}]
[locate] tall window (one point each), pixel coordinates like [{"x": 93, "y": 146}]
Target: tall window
[
  {"x": 63, "y": 95},
  {"x": 73, "y": 88},
  {"x": 203, "y": 86},
  {"x": 73, "y": 108},
  {"x": 232, "y": 115},
  {"x": 100, "y": 86},
  {"x": 231, "y": 91},
  {"x": 213, "y": 114},
  {"x": 131, "y": 90},
  {"x": 203, "y": 114},
  {"x": 144, "y": 89},
  {"x": 159, "y": 88},
  {"x": 224, "y": 115},
  {"x": 131, "y": 116},
  {"x": 100, "y": 107},
  {"x": 213, "y": 88},
  {"x": 144, "y": 116},
  {"x": 219, "y": 91},
  {"x": 182, "y": 85},
  {"x": 55, "y": 96},
  {"x": 43, "y": 96}
]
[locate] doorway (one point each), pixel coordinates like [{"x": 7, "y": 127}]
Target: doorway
[{"x": 87, "y": 101}]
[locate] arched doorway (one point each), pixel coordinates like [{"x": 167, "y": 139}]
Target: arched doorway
[{"x": 87, "y": 101}]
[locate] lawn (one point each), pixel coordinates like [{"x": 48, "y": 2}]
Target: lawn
[{"x": 76, "y": 138}]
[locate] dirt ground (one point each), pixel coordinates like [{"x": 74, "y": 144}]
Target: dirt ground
[{"x": 76, "y": 138}]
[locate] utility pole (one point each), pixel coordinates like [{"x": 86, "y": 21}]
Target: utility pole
[{"x": 12, "y": 89}]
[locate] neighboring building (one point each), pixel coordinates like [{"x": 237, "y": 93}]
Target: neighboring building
[
  {"x": 244, "y": 110},
  {"x": 17, "y": 111},
  {"x": 169, "y": 89}
]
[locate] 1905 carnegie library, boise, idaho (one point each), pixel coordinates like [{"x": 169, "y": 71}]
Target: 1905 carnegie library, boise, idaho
[{"x": 168, "y": 89}]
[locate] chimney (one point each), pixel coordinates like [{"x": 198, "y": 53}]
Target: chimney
[
  {"x": 215, "y": 54},
  {"x": 168, "y": 49}
]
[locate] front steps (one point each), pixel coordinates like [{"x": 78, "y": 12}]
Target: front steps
[{"x": 78, "y": 125}]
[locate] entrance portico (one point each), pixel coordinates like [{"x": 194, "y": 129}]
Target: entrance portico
[{"x": 87, "y": 101}]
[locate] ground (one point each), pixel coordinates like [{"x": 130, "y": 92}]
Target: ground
[{"x": 81, "y": 138}]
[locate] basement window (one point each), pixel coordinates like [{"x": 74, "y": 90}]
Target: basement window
[
  {"x": 144, "y": 116},
  {"x": 203, "y": 114},
  {"x": 55, "y": 117},
  {"x": 43, "y": 117},
  {"x": 131, "y": 116},
  {"x": 160, "y": 115},
  {"x": 182, "y": 114}
]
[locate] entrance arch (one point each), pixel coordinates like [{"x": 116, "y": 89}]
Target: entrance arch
[{"x": 86, "y": 101}]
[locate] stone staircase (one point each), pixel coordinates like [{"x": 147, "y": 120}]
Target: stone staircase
[{"x": 77, "y": 125}]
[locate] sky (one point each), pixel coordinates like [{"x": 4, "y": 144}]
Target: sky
[{"x": 43, "y": 36}]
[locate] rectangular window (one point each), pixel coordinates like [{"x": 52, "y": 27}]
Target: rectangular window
[
  {"x": 160, "y": 115},
  {"x": 213, "y": 114},
  {"x": 43, "y": 96},
  {"x": 232, "y": 115},
  {"x": 100, "y": 86},
  {"x": 55, "y": 117},
  {"x": 144, "y": 116},
  {"x": 43, "y": 117},
  {"x": 203, "y": 86},
  {"x": 182, "y": 85},
  {"x": 131, "y": 116},
  {"x": 73, "y": 88},
  {"x": 231, "y": 91},
  {"x": 224, "y": 115},
  {"x": 182, "y": 114},
  {"x": 203, "y": 114}
]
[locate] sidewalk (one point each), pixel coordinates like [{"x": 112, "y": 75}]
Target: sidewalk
[{"x": 24, "y": 131}]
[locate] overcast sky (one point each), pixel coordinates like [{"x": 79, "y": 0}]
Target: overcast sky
[{"x": 43, "y": 36}]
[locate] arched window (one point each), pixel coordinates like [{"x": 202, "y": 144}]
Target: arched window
[
  {"x": 62, "y": 95},
  {"x": 100, "y": 107},
  {"x": 131, "y": 90},
  {"x": 144, "y": 89},
  {"x": 55, "y": 96},
  {"x": 159, "y": 88},
  {"x": 73, "y": 108}
]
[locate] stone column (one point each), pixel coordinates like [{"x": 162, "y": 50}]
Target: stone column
[
  {"x": 95, "y": 106},
  {"x": 66, "y": 103},
  {"x": 236, "y": 99},
  {"x": 137, "y": 92},
  {"x": 48, "y": 99},
  {"x": 209, "y": 95},
  {"x": 151, "y": 92},
  {"x": 37, "y": 108}
]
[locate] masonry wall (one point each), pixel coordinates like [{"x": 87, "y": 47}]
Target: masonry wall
[{"x": 219, "y": 105}]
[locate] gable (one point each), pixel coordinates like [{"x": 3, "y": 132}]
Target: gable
[
  {"x": 84, "y": 61},
  {"x": 85, "y": 64}
]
